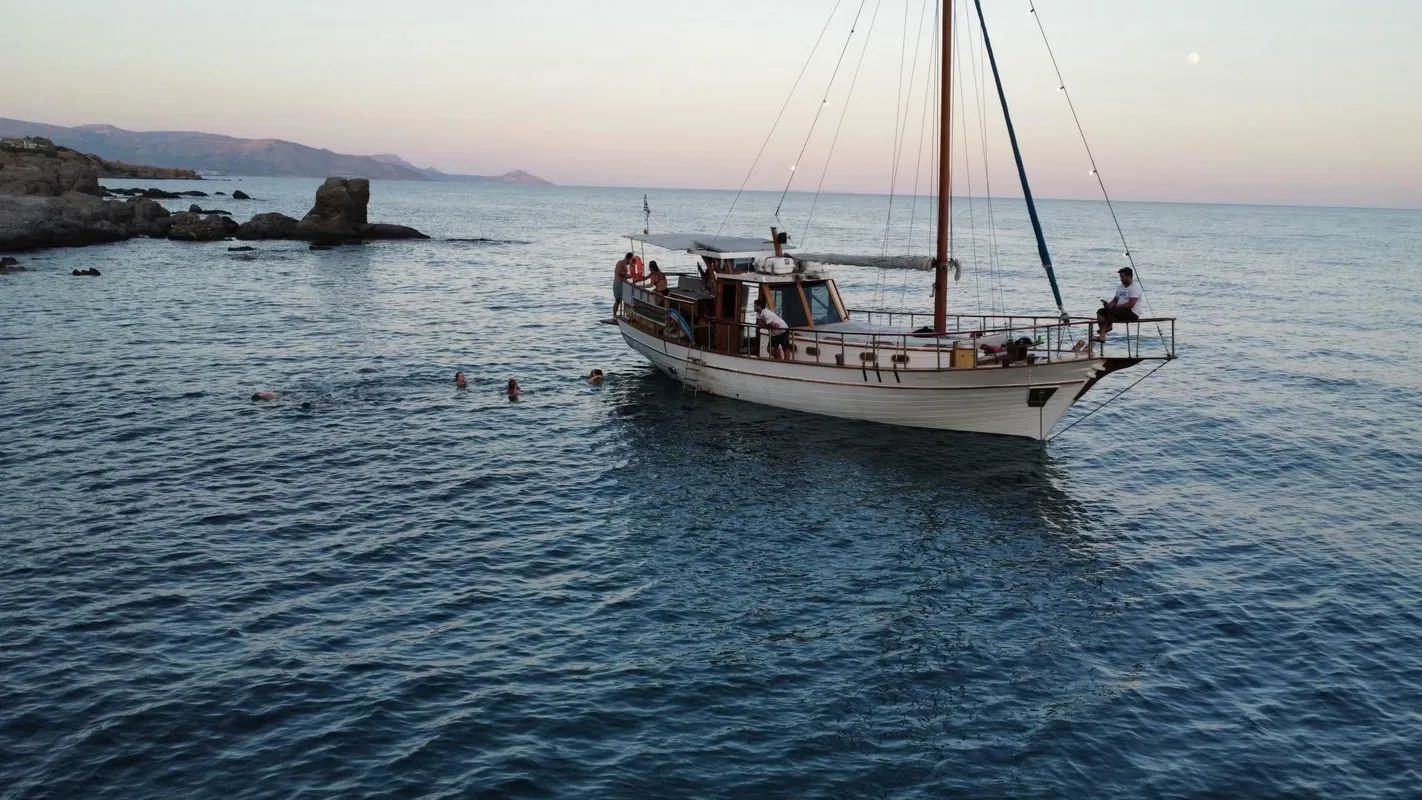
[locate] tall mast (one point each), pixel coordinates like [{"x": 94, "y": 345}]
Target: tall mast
[{"x": 945, "y": 174}]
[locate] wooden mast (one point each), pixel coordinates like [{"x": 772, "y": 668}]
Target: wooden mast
[{"x": 945, "y": 174}]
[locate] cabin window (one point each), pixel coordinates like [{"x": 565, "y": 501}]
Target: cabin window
[
  {"x": 789, "y": 305},
  {"x": 822, "y": 308}
]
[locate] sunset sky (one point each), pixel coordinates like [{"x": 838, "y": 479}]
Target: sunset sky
[{"x": 1291, "y": 101}]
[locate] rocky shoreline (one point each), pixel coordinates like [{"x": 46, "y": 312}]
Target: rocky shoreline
[{"x": 53, "y": 199}]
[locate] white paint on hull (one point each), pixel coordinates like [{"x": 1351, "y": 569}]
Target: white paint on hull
[{"x": 983, "y": 400}]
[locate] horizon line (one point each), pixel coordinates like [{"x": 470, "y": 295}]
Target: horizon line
[{"x": 1321, "y": 206}]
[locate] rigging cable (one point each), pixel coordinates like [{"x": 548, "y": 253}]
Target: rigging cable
[
  {"x": 996, "y": 298},
  {"x": 899, "y": 103},
  {"x": 1103, "y": 405},
  {"x": 899, "y": 111},
  {"x": 901, "y": 130},
  {"x": 1095, "y": 173},
  {"x": 967, "y": 164},
  {"x": 931, "y": 98},
  {"x": 823, "y": 102},
  {"x": 922, "y": 126},
  {"x": 776, "y": 124},
  {"x": 844, "y": 111}
]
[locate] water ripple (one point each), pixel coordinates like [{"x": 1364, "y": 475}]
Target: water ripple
[{"x": 378, "y": 585}]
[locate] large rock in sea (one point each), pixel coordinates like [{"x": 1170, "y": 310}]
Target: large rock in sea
[
  {"x": 382, "y": 230},
  {"x": 189, "y": 227},
  {"x": 339, "y": 215},
  {"x": 266, "y": 226}
]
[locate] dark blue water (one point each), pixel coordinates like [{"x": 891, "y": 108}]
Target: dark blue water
[{"x": 1211, "y": 587}]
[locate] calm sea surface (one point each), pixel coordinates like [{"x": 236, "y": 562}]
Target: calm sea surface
[{"x": 1211, "y": 587}]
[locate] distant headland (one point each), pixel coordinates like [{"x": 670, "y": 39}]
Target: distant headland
[{"x": 227, "y": 155}]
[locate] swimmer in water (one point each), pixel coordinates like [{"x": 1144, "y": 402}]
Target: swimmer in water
[
  {"x": 514, "y": 391},
  {"x": 260, "y": 396},
  {"x": 459, "y": 382},
  {"x": 595, "y": 377}
]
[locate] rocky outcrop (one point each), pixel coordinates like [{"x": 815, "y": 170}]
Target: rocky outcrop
[
  {"x": 155, "y": 194},
  {"x": 189, "y": 227},
  {"x": 339, "y": 212},
  {"x": 75, "y": 220},
  {"x": 48, "y": 173},
  {"x": 381, "y": 230},
  {"x": 197, "y": 209},
  {"x": 339, "y": 215},
  {"x": 51, "y": 198},
  {"x": 266, "y": 226},
  {"x": 240, "y": 195},
  {"x": 119, "y": 169}
]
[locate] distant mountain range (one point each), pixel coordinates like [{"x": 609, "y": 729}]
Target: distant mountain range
[{"x": 210, "y": 152}]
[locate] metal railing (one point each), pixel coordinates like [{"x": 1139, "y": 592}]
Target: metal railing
[{"x": 1047, "y": 338}]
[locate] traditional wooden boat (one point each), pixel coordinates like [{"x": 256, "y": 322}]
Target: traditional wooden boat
[{"x": 996, "y": 374}]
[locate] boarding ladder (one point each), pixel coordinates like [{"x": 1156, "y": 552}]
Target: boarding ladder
[{"x": 691, "y": 373}]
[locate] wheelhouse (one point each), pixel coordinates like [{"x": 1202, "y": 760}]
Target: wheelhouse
[{"x": 713, "y": 309}]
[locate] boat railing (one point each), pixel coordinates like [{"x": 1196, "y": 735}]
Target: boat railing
[{"x": 971, "y": 341}]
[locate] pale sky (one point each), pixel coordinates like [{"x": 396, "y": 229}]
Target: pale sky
[{"x": 1291, "y": 101}]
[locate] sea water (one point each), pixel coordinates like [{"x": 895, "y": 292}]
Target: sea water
[{"x": 378, "y": 585}]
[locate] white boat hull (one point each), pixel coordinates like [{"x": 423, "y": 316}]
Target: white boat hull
[{"x": 983, "y": 400}]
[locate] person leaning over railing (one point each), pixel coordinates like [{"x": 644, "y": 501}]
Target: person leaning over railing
[{"x": 779, "y": 331}]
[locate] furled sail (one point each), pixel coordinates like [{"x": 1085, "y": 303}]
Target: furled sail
[{"x": 880, "y": 262}]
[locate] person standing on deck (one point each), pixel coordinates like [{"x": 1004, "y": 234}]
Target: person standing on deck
[
  {"x": 1127, "y": 306},
  {"x": 779, "y": 332},
  {"x": 620, "y": 274}
]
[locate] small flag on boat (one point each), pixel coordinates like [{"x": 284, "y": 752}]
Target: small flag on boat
[{"x": 646, "y": 216}]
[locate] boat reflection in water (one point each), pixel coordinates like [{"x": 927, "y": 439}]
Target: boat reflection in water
[
  {"x": 899, "y": 583},
  {"x": 757, "y": 451}
]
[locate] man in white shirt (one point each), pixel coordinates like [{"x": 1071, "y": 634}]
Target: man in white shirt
[
  {"x": 1127, "y": 306},
  {"x": 779, "y": 331}
]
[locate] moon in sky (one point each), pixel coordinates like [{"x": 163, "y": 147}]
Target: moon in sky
[{"x": 1193, "y": 58}]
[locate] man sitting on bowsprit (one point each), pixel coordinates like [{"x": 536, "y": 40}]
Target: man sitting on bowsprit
[{"x": 1126, "y": 306}]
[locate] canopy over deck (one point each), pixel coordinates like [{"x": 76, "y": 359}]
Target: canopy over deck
[
  {"x": 706, "y": 242},
  {"x": 880, "y": 262}
]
